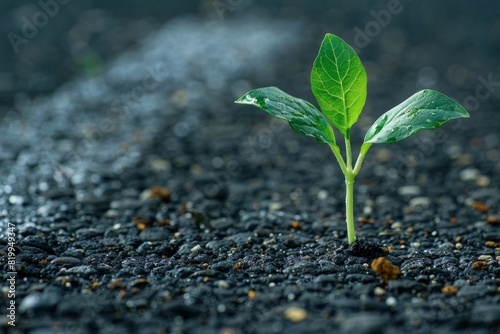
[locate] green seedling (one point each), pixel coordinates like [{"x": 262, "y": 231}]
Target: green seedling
[{"x": 338, "y": 81}]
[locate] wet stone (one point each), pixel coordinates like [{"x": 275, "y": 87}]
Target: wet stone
[
  {"x": 66, "y": 261},
  {"x": 84, "y": 271},
  {"x": 37, "y": 242}
]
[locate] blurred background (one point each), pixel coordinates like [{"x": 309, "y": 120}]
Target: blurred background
[
  {"x": 422, "y": 43},
  {"x": 67, "y": 65}
]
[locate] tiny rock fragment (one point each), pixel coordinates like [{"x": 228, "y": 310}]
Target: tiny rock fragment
[
  {"x": 483, "y": 181},
  {"x": 222, "y": 284},
  {"x": 493, "y": 220},
  {"x": 141, "y": 223},
  {"x": 391, "y": 301},
  {"x": 469, "y": 174},
  {"x": 237, "y": 266},
  {"x": 484, "y": 258},
  {"x": 480, "y": 265},
  {"x": 363, "y": 220},
  {"x": 385, "y": 269},
  {"x": 453, "y": 220},
  {"x": 195, "y": 169},
  {"x": 410, "y": 190},
  {"x": 480, "y": 206},
  {"x": 196, "y": 248},
  {"x": 159, "y": 165},
  {"x": 252, "y": 294},
  {"x": 115, "y": 283},
  {"x": 449, "y": 290},
  {"x": 396, "y": 225},
  {"x": 295, "y": 314},
  {"x": 383, "y": 155},
  {"x": 141, "y": 281},
  {"x": 379, "y": 291},
  {"x": 492, "y": 244},
  {"x": 161, "y": 193},
  {"x": 419, "y": 201},
  {"x": 296, "y": 225},
  {"x": 122, "y": 293},
  {"x": 322, "y": 195},
  {"x": 164, "y": 222},
  {"x": 275, "y": 206}
]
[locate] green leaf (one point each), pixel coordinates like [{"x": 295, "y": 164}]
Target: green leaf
[
  {"x": 338, "y": 81},
  {"x": 426, "y": 109},
  {"x": 302, "y": 116}
]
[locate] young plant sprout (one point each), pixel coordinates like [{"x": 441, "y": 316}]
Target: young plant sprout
[{"x": 338, "y": 81}]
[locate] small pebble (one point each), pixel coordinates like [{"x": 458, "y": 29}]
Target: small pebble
[
  {"x": 111, "y": 213},
  {"x": 367, "y": 210},
  {"x": 275, "y": 206},
  {"x": 66, "y": 260},
  {"x": 420, "y": 201},
  {"x": 396, "y": 225},
  {"x": 415, "y": 244},
  {"x": 391, "y": 301},
  {"x": 16, "y": 200},
  {"x": 449, "y": 290},
  {"x": 295, "y": 314},
  {"x": 385, "y": 269},
  {"x": 458, "y": 245},
  {"x": 159, "y": 165},
  {"x": 383, "y": 155},
  {"x": 484, "y": 258},
  {"x": 222, "y": 284},
  {"x": 196, "y": 248},
  {"x": 409, "y": 191},
  {"x": 378, "y": 291},
  {"x": 469, "y": 174},
  {"x": 483, "y": 181},
  {"x": 480, "y": 265},
  {"x": 322, "y": 195},
  {"x": 445, "y": 245}
]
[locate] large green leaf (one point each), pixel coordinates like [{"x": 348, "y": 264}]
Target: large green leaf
[
  {"x": 426, "y": 109},
  {"x": 338, "y": 81},
  {"x": 302, "y": 116}
]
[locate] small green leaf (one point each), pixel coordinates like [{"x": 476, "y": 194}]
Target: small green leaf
[
  {"x": 338, "y": 81},
  {"x": 426, "y": 109},
  {"x": 302, "y": 116}
]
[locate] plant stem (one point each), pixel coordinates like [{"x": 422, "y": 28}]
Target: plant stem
[
  {"x": 349, "y": 192},
  {"x": 336, "y": 151},
  {"x": 349, "y": 207},
  {"x": 348, "y": 152},
  {"x": 364, "y": 149}
]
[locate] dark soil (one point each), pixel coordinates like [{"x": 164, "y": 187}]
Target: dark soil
[{"x": 145, "y": 201}]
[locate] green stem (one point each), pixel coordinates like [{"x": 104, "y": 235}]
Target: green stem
[
  {"x": 349, "y": 191},
  {"x": 364, "y": 149},
  {"x": 348, "y": 152},
  {"x": 336, "y": 151},
  {"x": 349, "y": 207}
]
